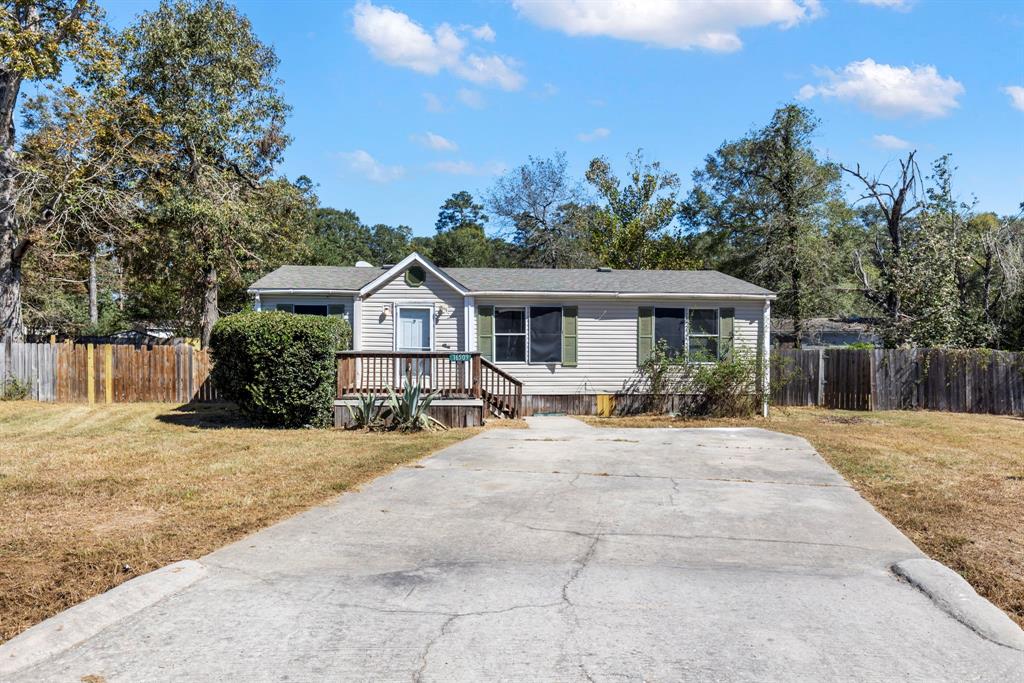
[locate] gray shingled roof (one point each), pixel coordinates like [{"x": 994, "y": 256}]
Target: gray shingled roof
[{"x": 524, "y": 280}]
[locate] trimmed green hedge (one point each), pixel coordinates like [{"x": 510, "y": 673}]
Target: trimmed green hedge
[{"x": 279, "y": 368}]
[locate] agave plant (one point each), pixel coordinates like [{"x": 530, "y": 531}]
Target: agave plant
[
  {"x": 366, "y": 413},
  {"x": 407, "y": 412}
]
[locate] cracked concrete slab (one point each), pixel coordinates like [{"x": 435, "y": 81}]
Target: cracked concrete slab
[{"x": 565, "y": 553}]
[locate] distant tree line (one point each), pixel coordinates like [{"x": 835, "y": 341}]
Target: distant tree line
[{"x": 145, "y": 192}]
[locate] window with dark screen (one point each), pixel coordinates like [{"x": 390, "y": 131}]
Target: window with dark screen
[
  {"x": 545, "y": 334},
  {"x": 670, "y": 328}
]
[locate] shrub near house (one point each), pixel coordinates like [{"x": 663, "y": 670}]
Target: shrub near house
[{"x": 279, "y": 367}]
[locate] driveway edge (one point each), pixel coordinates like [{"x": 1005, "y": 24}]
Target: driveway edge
[
  {"x": 81, "y": 622},
  {"x": 950, "y": 592}
]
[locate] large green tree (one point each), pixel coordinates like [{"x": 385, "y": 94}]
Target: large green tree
[
  {"x": 461, "y": 240},
  {"x": 217, "y": 210},
  {"x": 36, "y": 40},
  {"x": 339, "y": 239},
  {"x": 631, "y": 226},
  {"x": 768, "y": 205}
]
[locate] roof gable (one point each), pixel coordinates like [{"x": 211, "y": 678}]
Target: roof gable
[{"x": 400, "y": 267}]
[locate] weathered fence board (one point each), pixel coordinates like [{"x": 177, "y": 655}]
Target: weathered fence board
[
  {"x": 970, "y": 381},
  {"x": 109, "y": 373}
]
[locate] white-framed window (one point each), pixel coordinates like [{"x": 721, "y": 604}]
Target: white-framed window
[
  {"x": 509, "y": 335},
  {"x": 703, "y": 335},
  {"x": 314, "y": 309},
  {"x": 528, "y": 334},
  {"x": 689, "y": 332}
]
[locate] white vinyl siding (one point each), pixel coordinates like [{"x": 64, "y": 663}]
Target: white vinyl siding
[
  {"x": 378, "y": 329},
  {"x": 608, "y": 338}
]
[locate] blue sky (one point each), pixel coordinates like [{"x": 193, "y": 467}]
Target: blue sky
[{"x": 398, "y": 105}]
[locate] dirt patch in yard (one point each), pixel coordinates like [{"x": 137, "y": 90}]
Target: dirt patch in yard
[
  {"x": 952, "y": 482},
  {"x": 91, "y": 496}
]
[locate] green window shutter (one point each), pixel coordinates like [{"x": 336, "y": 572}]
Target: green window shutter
[
  {"x": 644, "y": 334},
  {"x": 570, "y": 336},
  {"x": 726, "y": 316},
  {"x": 336, "y": 310},
  {"x": 485, "y": 331},
  {"x": 287, "y": 308}
]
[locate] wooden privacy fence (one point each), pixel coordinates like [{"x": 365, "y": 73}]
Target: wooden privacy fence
[
  {"x": 109, "y": 373},
  {"x": 966, "y": 381}
]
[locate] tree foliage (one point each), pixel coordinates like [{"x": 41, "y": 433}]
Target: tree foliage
[
  {"x": 771, "y": 207},
  {"x": 36, "y": 40},
  {"x": 217, "y": 209},
  {"x": 631, "y": 226}
]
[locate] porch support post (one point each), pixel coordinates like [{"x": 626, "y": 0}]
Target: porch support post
[
  {"x": 469, "y": 333},
  {"x": 766, "y": 365},
  {"x": 257, "y": 305},
  {"x": 357, "y": 322}
]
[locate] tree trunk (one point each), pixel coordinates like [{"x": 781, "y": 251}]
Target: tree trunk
[
  {"x": 94, "y": 308},
  {"x": 210, "y": 311},
  {"x": 11, "y": 251}
]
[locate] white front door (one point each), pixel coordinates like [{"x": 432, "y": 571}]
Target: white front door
[
  {"x": 414, "y": 332},
  {"x": 413, "y": 329}
]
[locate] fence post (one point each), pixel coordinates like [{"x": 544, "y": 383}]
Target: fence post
[
  {"x": 90, "y": 372},
  {"x": 821, "y": 377},
  {"x": 108, "y": 372}
]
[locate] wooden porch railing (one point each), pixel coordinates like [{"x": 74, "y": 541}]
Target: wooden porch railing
[
  {"x": 502, "y": 391},
  {"x": 452, "y": 375}
]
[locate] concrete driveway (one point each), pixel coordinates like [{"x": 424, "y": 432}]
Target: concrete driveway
[{"x": 561, "y": 553}]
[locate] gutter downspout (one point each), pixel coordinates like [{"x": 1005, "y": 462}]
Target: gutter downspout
[{"x": 766, "y": 366}]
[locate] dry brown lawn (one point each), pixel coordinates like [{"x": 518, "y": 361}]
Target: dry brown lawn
[
  {"x": 954, "y": 483},
  {"x": 93, "y": 496}
]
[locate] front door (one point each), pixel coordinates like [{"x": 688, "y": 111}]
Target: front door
[{"x": 414, "y": 331}]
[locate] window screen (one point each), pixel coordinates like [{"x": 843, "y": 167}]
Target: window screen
[
  {"x": 704, "y": 334},
  {"x": 311, "y": 309},
  {"x": 670, "y": 328},
  {"x": 545, "y": 334},
  {"x": 509, "y": 335}
]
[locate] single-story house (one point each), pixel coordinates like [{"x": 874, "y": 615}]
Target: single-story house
[{"x": 564, "y": 336}]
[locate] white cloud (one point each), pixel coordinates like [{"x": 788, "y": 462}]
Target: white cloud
[
  {"x": 889, "y": 90},
  {"x": 898, "y": 5},
  {"x": 1016, "y": 93},
  {"x": 706, "y": 24},
  {"x": 596, "y": 134},
  {"x": 436, "y": 142},
  {"x": 362, "y": 162},
  {"x": 471, "y": 98},
  {"x": 395, "y": 39},
  {"x": 484, "y": 33},
  {"x": 433, "y": 103},
  {"x": 490, "y": 69},
  {"x": 469, "y": 168},
  {"x": 886, "y": 141}
]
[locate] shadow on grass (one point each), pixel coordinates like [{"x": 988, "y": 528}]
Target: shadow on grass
[{"x": 207, "y": 416}]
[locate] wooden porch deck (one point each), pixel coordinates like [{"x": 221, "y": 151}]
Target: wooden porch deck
[{"x": 455, "y": 377}]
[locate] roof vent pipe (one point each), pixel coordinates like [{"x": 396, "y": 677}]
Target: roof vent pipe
[{"x": 604, "y": 269}]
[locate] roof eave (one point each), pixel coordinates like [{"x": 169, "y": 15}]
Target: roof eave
[
  {"x": 771, "y": 296},
  {"x": 298, "y": 290}
]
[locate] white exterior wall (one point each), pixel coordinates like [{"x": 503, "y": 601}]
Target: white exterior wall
[
  {"x": 378, "y": 330},
  {"x": 607, "y": 329},
  {"x": 607, "y": 341}
]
